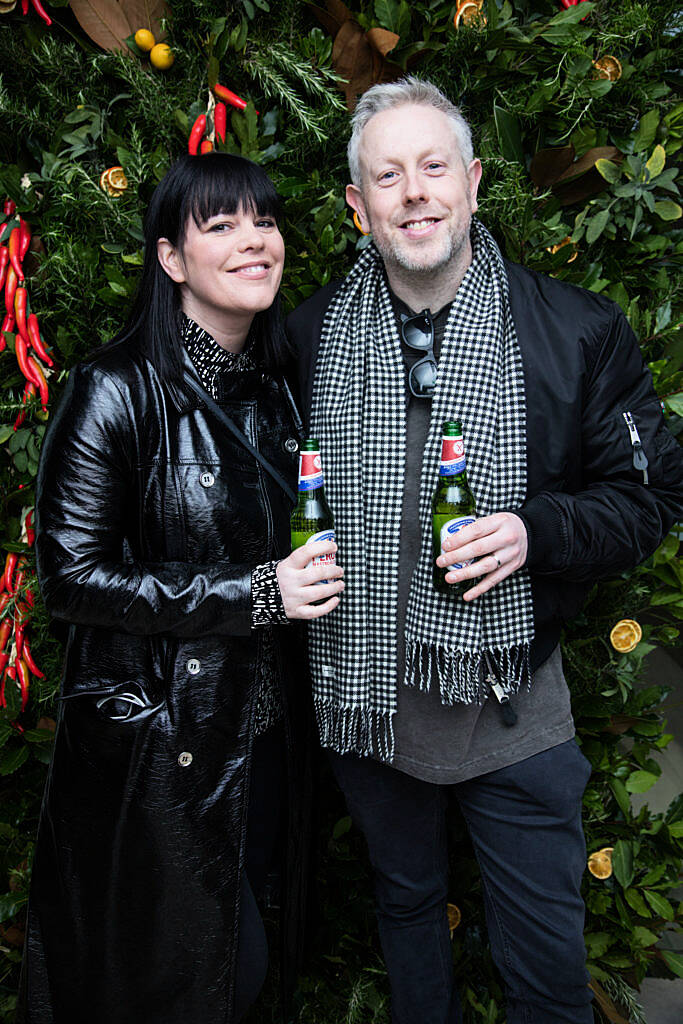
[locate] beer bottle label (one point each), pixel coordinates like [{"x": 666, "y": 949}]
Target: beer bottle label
[
  {"x": 310, "y": 471},
  {"x": 451, "y": 527},
  {"x": 329, "y": 559},
  {"x": 452, "y": 456}
]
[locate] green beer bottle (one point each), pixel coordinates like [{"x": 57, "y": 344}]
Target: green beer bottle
[
  {"x": 452, "y": 503},
  {"x": 312, "y": 519}
]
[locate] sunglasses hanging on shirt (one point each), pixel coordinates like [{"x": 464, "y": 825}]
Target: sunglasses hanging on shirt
[{"x": 418, "y": 333}]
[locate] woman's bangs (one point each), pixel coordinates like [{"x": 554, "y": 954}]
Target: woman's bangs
[{"x": 228, "y": 184}]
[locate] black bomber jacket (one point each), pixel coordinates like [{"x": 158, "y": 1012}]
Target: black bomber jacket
[{"x": 589, "y": 511}]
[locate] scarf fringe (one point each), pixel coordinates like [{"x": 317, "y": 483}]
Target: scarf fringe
[
  {"x": 359, "y": 730},
  {"x": 462, "y": 676}
]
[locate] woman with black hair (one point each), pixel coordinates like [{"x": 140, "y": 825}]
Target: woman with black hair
[{"x": 163, "y": 506}]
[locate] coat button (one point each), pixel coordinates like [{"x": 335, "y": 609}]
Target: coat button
[
  {"x": 185, "y": 759},
  {"x": 207, "y": 479},
  {"x": 193, "y": 666},
  {"x": 291, "y": 445}
]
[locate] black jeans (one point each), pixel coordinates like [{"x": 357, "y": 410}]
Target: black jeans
[{"x": 525, "y": 825}]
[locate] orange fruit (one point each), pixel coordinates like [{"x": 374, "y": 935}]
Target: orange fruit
[
  {"x": 162, "y": 56},
  {"x": 113, "y": 181},
  {"x": 144, "y": 39},
  {"x": 626, "y": 635},
  {"x": 469, "y": 13},
  {"x": 454, "y": 916},
  {"x": 560, "y": 245},
  {"x": 600, "y": 862},
  {"x": 607, "y": 67}
]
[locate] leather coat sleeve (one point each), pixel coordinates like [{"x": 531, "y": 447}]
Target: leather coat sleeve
[
  {"x": 85, "y": 514},
  {"x": 613, "y": 521}
]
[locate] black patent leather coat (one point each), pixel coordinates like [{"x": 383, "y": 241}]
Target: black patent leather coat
[{"x": 150, "y": 519}]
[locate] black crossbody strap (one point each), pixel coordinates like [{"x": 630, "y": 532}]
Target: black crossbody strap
[{"x": 237, "y": 433}]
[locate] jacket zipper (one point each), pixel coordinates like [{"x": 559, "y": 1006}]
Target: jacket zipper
[{"x": 640, "y": 462}]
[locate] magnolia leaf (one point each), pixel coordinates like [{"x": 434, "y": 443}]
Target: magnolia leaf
[
  {"x": 674, "y": 402},
  {"x": 622, "y": 862},
  {"x": 548, "y": 165},
  {"x": 657, "y": 162},
  {"x": 334, "y": 17},
  {"x": 104, "y": 21},
  {"x": 668, "y": 210},
  {"x": 382, "y": 41},
  {"x": 674, "y": 961},
  {"x": 146, "y": 14},
  {"x": 640, "y": 781},
  {"x": 609, "y": 171},
  {"x": 659, "y": 904}
]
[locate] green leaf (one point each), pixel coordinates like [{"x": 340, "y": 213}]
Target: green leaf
[
  {"x": 597, "y": 943},
  {"x": 640, "y": 782},
  {"x": 10, "y": 903},
  {"x": 622, "y": 862},
  {"x": 668, "y": 210},
  {"x": 6, "y": 431},
  {"x": 597, "y": 225},
  {"x": 386, "y": 12},
  {"x": 676, "y": 829},
  {"x": 657, "y": 161},
  {"x": 621, "y": 796},
  {"x": 643, "y": 936},
  {"x": 647, "y": 129},
  {"x": 609, "y": 170},
  {"x": 660, "y": 905},
  {"x": 10, "y": 760},
  {"x": 674, "y": 961},
  {"x": 634, "y": 899},
  {"x": 341, "y": 828},
  {"x": 509, "y": 134}
]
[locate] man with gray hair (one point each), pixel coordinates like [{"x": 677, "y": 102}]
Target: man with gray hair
[{"x": 422, "y": 696}]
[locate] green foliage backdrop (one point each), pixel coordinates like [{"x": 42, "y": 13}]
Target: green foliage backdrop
[{"x": 569, "y": 157}]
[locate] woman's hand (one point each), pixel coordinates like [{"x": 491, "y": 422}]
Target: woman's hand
[{"x": 300, "y": 581}]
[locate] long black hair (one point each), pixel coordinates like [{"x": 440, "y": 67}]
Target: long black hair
[{"x": 200, "y": 187}]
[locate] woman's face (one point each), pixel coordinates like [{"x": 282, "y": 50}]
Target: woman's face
[{"x": 231, "y": 264}]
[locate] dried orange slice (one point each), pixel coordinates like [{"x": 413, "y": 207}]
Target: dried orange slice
[
  {"x": 117, "y": 179},
  {"x": 470, "y": 13},
  {"x": 454, "y": 916},
  {"x": 356, "y": 221},
  {"x": 600, "y": 862},
  {"x": 626, "y": 635},
  {"x": 560, "y": 245},
  {"x": 607, "y": 67}
]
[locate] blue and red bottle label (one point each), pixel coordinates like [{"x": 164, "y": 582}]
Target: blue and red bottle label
[
  {"x": 310, "y": 471},
  {"x": 449, "y": 529},
  {"x": 452, "y": 456}
]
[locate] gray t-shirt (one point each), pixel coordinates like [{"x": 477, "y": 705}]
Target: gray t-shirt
[{"x": 444, "y": 744}]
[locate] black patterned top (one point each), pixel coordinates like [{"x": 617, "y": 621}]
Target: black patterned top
[{"x": 212, "y": 362}]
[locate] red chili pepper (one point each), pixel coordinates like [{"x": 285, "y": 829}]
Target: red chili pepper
[
  {"x": 11, "y": 282},
  {"x": 41, "y": 12},
  {"x": 230, "y": 97},
  {"x": 24, "y": 238},
  {"x": 8, "y": 578},
  {"x": 206, "y": 146},
  {"x": 36, "y": 340},
  {"x": 28, "y": 658},
  {"x": 20, "y": 302},
  {"x": 8, "y": 323},
  {"x": 4, "y": 601},
  {"x": 29, "y": 391},
  {"x": 22, "y": 672},
  {"x": 4, "y": 658},
  {"x": 30, "y": 532},
  {"x": 14, "y": 250},
  {"x": 23, "y": 360},
  {"x": 9, "y": 207},
  {"x": 19, "y": 576},
  {"x": 40, "y": 381},
  {"x": 5, "y": 632},
  {"x": 19, "y": 638},
  {"x": 4, "y": 261},
  {"x": 198, "y": 129},
  {"x": 24, "y": 7},
  {"x": 220, "y": 121}
]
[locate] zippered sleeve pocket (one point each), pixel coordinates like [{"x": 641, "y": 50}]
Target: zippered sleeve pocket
[{"x": 640, "y": 459}]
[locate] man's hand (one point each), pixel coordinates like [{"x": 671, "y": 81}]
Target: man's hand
[
  {"x": 499, "y": 542},
  {"x": 301, "y": 582}
]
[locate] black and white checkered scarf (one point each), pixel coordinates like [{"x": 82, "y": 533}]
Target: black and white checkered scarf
[{"x": 358, "y": 414}]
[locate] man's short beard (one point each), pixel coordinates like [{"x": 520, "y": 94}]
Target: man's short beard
[{"x": 455, "y": 245}]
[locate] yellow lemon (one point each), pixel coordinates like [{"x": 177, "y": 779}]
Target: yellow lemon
[
  {"x": 626, "y": 635},
  {"x": 600, "y": 862},
  {"x": 162, "y": 56},
  {"x": 144, "y": 39}
]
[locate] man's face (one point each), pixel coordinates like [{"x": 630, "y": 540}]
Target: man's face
[{"x": 417, "y": 196}]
